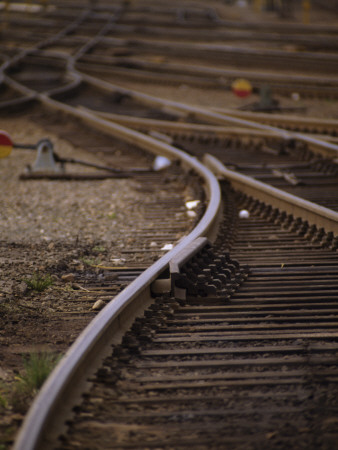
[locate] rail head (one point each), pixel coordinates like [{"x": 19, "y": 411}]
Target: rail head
[
  {"x": 109, "y": 325},
  {"x": 315, "y": 214}
]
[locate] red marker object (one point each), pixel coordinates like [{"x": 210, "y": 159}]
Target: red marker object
[{"x": 6, "y": 144}]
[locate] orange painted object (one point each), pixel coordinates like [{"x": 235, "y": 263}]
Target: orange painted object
[
  {"x": 241, "y": 88},
  {"x": 6, "y": 144}
]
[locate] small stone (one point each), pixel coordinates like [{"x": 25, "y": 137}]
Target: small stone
[
  {"x": 153, "y": 244},
  {"x": 191, "y": 214},
  {"x": 21, "y": 288},
  {"x": 51, "y": 246},
  {"x": 271, "y": 435},
  {"x": 68, "y": 277},
  {"x": 99, "y": 304}
]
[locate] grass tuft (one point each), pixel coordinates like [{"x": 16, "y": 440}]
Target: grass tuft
[
  {"x": 99, "y": 249},
  {"x": 37, "y": 368},
  {"x": 3, "y": 401},
  {"x": 39, "y": 282}
]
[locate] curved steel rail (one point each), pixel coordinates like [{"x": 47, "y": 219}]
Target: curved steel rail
[
  {"x": 177, "y": 73},
  {"x": 145, "y": 124},
  {"x": 116, "y": 315}
]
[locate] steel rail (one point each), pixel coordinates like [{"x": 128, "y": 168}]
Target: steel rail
[
  {"x": 195, "y": 69},
  {"x": 123, "y": 71},
  {"x": 116, "y": 315},
  {"x": 280, "y": 120},
  {"x": 29, "y": 94},
  {"x": 223, "y": 52},
  {"x": 315, "y": 214},
  {"x": 317, "y": 146},
  {"x": 179, "y": 31},
  {"x": 145, "y": 125},
  {"x": 297, "y": 28}
]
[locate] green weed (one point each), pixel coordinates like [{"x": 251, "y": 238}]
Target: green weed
[
  {"x": 91, "y": 261},
  {"x": 37, "y": 368},
  {"x": 3, "y": 400},
  {"x": 39, "y": 282},
  {"x": 99, "y": 249}
]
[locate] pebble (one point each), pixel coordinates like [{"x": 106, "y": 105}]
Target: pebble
[
  {"x": 191, "y": 214},
  {"x": 99, "y": 304},
  {"x": 68, "y": 278}
]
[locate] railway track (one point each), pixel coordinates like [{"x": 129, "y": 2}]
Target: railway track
[
  {"x": 240, "y": 334},
  {"x": 292, "y": 168},
  {"x": 117, "y": 55},
  {"x": 283, "y": 161},
  {"x": 247, "y": 330}
]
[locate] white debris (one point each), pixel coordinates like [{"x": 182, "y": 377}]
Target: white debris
[
  {"x": 191, "y": 214},
  {"x": 192, "y": 204},
  {"x": 244, "y": 214},
  {"x": 153, "y": 244},
  {"x": 167, "y": 247},
  {"x": 118, "y": 261},
  {"x": 161, "y": 162},
  {"x": 295, "y": 96}
]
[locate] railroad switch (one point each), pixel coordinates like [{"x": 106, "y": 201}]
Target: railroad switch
[{"x": 45, "y": 160}]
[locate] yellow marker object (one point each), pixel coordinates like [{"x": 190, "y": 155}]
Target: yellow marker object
[{"x": 241, "y": 87}]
